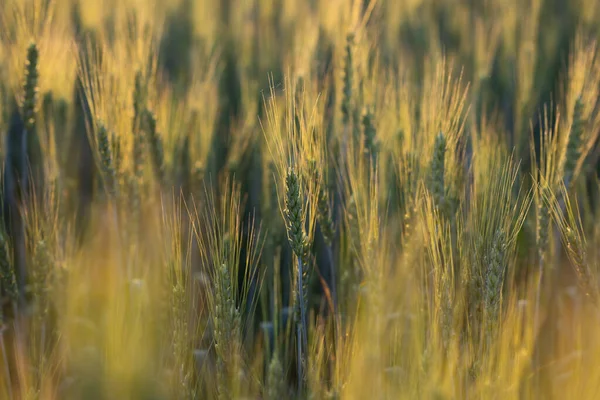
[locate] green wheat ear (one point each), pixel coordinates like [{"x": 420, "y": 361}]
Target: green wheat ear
[
  {"x": 227, "y": 325},
  {"x": 139, "y": 99},
  {"x": 543, "y": 224},
  {"x": 156, "y": 145},
  {"x": 348, "y": 79},
  {"x": 276, "y": 388},
  {"x": 31, "y": 88},
  {"x": 118, "y": 154},
  {"x": 574, "y": 143},
  {"x": 494, "y": 278},
  {"x": 577, "y": 253},
  {"x": 29, "y": 110},
  {"x": 198, "y": 174},
  {"x": 227, "y": 329},
  {"x": 106, "y": 159},
  {"x": 370, "y": 133},
  {"x": 293, "y": 213},
  {"x": 323, "y": 207},
  {"x": 324, "y": 215},
  {"x": 436, "y": 178},
  {"x": 139, "y": 96},
  {"x": 184, "y": 166},
  {"x": 41, "y": 271},
  {"x": 300, "y": 246},
  {"x": 7, "y": 272},
  {"x": 298, "y": 93}
]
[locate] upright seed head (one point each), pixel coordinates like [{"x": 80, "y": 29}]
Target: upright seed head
[
  {"x": 446, "y": 304},
  {"x": 139, "y": 99},
  {"x": 156, "y": 145},
  {"x": 494, "y": 276},
  {"x": 325, "y": 217},
  {"x": 400, "y": 138},
  {"x": 198, "y": 173},
  {"x": 299, "y": 90},
  {"x": 436, "y": 177},
  {"x": 293, "y": 213},
  {"x": 348, "y": 80},
  {"x": 106, "y": 159},
  {"x": 576, "y": 251},
  {"x": 48, "y": 103},
  {"x": 7, "y": 272},
  {"x": 276, "y": 388},
  {"x": 135, "y": 199},
  {"x": 543, "y": 224},
  {"x": 298, "y": 103},
  {"x": 369, "y": 132},
  {"x": 29, "y": 110},
  {"x": 118, "y": 155},
  {"x": 229, "y": 317},
  {"x": 352, "y": 215},
  {"x": 356, "y": 104},
  {"x": 185, "y": 166},
  {"x": 574, "y": 143},
  {"x": 61, "y": 108},
  {"x": 227, "y": 325},
  {"x": 42, "y": 267},
  {"x": 30, "y": 87},
  {"x": 323, "y": 207}
]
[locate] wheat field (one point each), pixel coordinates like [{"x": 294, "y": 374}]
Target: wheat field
[{"x": 300, "y": 199}]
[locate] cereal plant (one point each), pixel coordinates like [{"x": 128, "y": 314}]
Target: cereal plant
[{"x": 271, "y": 199}]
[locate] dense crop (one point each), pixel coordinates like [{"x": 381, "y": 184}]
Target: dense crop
[{"x": 355, "y": 199}]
